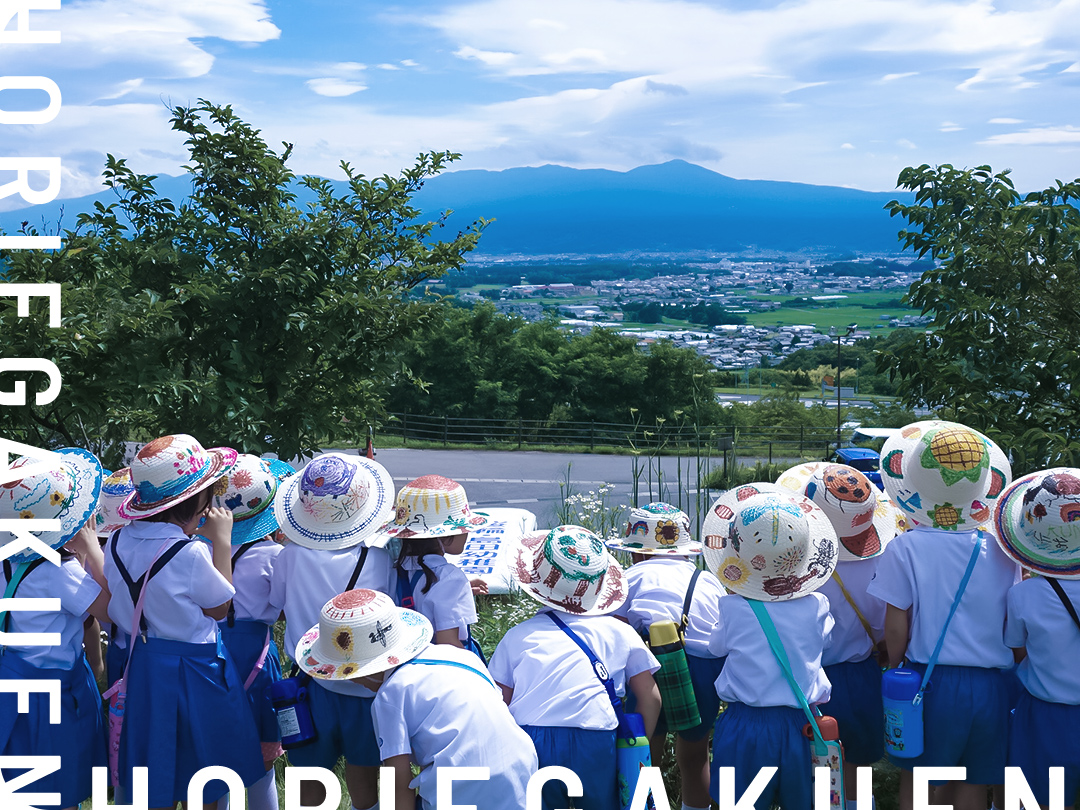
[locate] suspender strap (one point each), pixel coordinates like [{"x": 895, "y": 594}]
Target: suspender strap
[
  {"x": 862, "y": 619},
  {"x": 359, "y": 567},
  {"x": 685, "y": 620},
  {"x": 598, "y": 667},
  {"x": 135, "y": 587},
  {"x": 406, "y": 587},
  {"x": 457, "y": 664},
  {"x": 240, "y": 552},
  {"x": 1064, "y": 599},
  {"x": 956, "y": 603},
  {"x": 14, "y": 579}
]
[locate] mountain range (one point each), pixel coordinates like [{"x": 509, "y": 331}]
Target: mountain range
[{"x": 673, "y": 207}]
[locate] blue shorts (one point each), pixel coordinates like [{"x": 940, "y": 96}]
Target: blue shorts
[
  {"x": 856, "y": 705},
  {"x": 965, "y": 723},
  {"x": 588, "y": 753},
  {"x": 344, "y": 727},
  {"x": 244, "y": 641},
  {"x": 1044, "y": 735},
  {"x": 748, "y": 738},
  {"x": 79, "y": 737}
]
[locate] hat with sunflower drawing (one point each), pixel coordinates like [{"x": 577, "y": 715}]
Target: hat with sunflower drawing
[
  {"x": 361, "y": 632},
  {"x": 767, "y": 543},
  {"x": 942, "y": 475},
  {"x": 657, "y": 528},
  {"x": 1037, "y": 522}
]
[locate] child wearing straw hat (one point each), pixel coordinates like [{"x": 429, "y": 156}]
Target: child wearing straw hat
[
  {"x": 865, "y": 522},
  {"x": 1038, "y": 525},
  {"x": 549, "y": 682},
  {"x": 661, "y": 584},
  {"x": 436, "y": 706},
  {"x": 774, "y": 548},
  {"x": 115, "y": 489},
  {"x": 432, "y": 518},
  {"x": 67, "y": 491},
  {"x": 329, "y": 510},
  {"x": 247, "y": 631},
  {"x": 185, "y": 706},
  {"x": 940, "y": 474}
]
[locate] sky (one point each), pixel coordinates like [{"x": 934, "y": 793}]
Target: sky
[{"x": 830, "y": 92}]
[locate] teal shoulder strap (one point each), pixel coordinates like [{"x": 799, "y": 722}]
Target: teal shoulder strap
[{"x": 431, "y": 663}]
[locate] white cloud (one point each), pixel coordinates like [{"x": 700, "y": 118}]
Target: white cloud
[
  {"x": 387, "y": 66},
  {"x": 1039, "y": 136},
  {"x": 492, "y": 58},
  {"x": 409, "y": 63},
  {"x": 334, "y": 87},
  {"x": 846, "y": 146},
  {"x": 904, "y": 142},
  {"x": 949, "y": 126},
  {"x": 892, "y": 77},
  {"x": 1005, "y": 121}
]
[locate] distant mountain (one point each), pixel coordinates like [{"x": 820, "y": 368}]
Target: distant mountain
[{"x": 672, "y": 207}]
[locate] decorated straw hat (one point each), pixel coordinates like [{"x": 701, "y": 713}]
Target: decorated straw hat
[
  {"x": 864, "y": 521},
  {"x": 115, "y": 489},
  {"x": 767, "y": 543},
  {"x": 1000, "y": 478},
  {"x": 335, "y": 502},
  {"x": 67, "y": 492},
  {"x": 569, "y": 569},
  {"x": 360, "y": 633},
  {"x": 1037, "y": 522},
  {"x": 171, "y": 469},
  {"x": 940, "y": 474},
  {"x": 430, "y": 506},
  {"x": 657, "y": 528},
  {"x": 248, "y": 492}
]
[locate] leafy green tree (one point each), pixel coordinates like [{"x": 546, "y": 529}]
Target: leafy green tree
[
  {"x": 236, "y": 314},
  {"x": 1001, "y": 355}
]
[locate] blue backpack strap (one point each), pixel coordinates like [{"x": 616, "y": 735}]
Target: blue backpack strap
[
  {"x": 406, "y": 587},
  {"x": 598, "y": 667},
  {"x": 458, "y": 664},
  {"x": 14, "y": 579}
]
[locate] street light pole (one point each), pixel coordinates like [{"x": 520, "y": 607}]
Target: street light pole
[{"x": 850, "y": 331}]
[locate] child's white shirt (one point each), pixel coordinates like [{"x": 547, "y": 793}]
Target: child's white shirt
[
  {"x": 446, "y": 716},
  {"x": 76, "y": 590},
  {"x": 922, "y": 570},
  {"x": 177, "y": 594},
  {"x": 554, "y": 684},
  {"x": 849, "y": 639},
  {"x": 656, "y": 591},
  {"x": 449, "y": 603},
  {"x": 1038, "y": 621},
  {"x": 251, "y": 579},
  {"x": 304, "y": 579},
  {"x": 752, "y": 674}
]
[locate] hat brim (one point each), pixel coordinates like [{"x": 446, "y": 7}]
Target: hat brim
[
  {"x": 254, "y": 528},
  {"x": 448, "y": 529},
  {"x": 612, "y": 594},
  {"x": 88, "y": 475},
  {"x": 1010, "y": 538},
  {"x": 222, "y": 459},
  {"x": 416, "y": 635},
  {"x": 280, "y": 469},
  {"x": 686, "y": 549},
  {"x": 364, "y": 525}
]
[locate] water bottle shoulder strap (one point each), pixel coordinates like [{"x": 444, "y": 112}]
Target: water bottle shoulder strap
[{"x": 685, "y": 618}]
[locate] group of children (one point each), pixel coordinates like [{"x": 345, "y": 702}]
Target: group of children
[{"x": 811, "y": 586}]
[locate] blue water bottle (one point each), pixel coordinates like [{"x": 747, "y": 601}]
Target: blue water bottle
[
  {"x": 290, "y": 699},
  {"x": 631, "y": 755},
  {"x": 903, "y": 716}
]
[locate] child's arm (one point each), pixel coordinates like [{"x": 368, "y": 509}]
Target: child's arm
[
  {"x": 449, "y": 636},
  {"x": 644, "y": 687},
  {"x": 508, "y": 693},
  {"x": 218, "y": 530},
  {"x": 897, "y": 633},
  {"x": 405, "y": 796},
  {"x": 92, "y": 646}
]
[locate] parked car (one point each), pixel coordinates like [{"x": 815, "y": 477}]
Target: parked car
[{"x": 866, "y": 461}]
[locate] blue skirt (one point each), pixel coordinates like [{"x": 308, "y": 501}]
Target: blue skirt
[
  {"x": 78, "y": 739},
  {"x": 116, "y": 655},
  {"x": 856, "y": 705},
  {"x": 186, "y": 710},
  {"x": 244, "y": 641},
  {"x": 1043, "y": 736}
]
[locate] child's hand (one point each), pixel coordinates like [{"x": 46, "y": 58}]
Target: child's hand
[
  {"x": 478, "y": 586},
  {"x": 218, "y": 526},
  {"x": 84, "y": 541}
]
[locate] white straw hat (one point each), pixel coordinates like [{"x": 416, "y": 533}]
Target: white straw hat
[
  {"x": 657, "y": 529},
  {"x": 569, "y": 569},
  {"x": 430, "y": 506},
  {"x": 1037, "y": 522}
]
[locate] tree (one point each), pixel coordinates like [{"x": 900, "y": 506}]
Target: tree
[
  {"x": 1001, "y": 354},
  {"x": 238, "y": 314}
]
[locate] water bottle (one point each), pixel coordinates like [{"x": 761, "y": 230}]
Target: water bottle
[
  {"x": 676, "y": 689},
  {"x": 290, "y": 699},
  {"x": 631, "y": 755},
  {"x": 903, "y": 717}
]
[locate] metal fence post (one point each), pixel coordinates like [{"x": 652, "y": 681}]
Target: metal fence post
[
  {"x": 592, "y": 435},
  {"x": 520, "y": 433},
  {"x": 404, "y": 430},
  {"x": 445, "y": 429}
]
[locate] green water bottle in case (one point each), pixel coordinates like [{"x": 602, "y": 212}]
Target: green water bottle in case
[{"x": 673, "y": 679}]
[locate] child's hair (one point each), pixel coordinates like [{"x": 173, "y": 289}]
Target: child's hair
[
  {"x": 419, "y": 547},
  {"x": 185, "y": 510}
]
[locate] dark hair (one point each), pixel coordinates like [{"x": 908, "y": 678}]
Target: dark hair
[
  {"x": 184, "y": 511},
  {"x": 419, "y": 547}
]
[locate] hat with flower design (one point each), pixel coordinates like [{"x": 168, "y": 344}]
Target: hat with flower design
[
  {"x": 335, "y": 502},
  {"x": 569, "y": 569},
  {"x": 768, "y": 543},
  {"x": 115, "y": 489},
  {"x": 657, "y": 528},
  {"x": 361, "y": 632},
  {"x": 1037, "y": 522},
  {"x": 430, "y": 506},
  {"x": 865, "y": 521},
  {"x": 64, "y": 487},
  {"x": 171, "y": 469},
  {"x": 248, "y": 492},
  {"x": 941, "y": 474}
]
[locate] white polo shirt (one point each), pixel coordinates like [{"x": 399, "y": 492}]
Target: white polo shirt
[
  {"x": 251, "y": 579},
  {"x": 449, "y": 603},
  {"x": 1039, "y": 621},
  {"x": 849, "y": 639},
  {"x": 554, "y": 684}
]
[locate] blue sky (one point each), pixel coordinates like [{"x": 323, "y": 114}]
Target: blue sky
[{"x": 837, "y": 92}]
